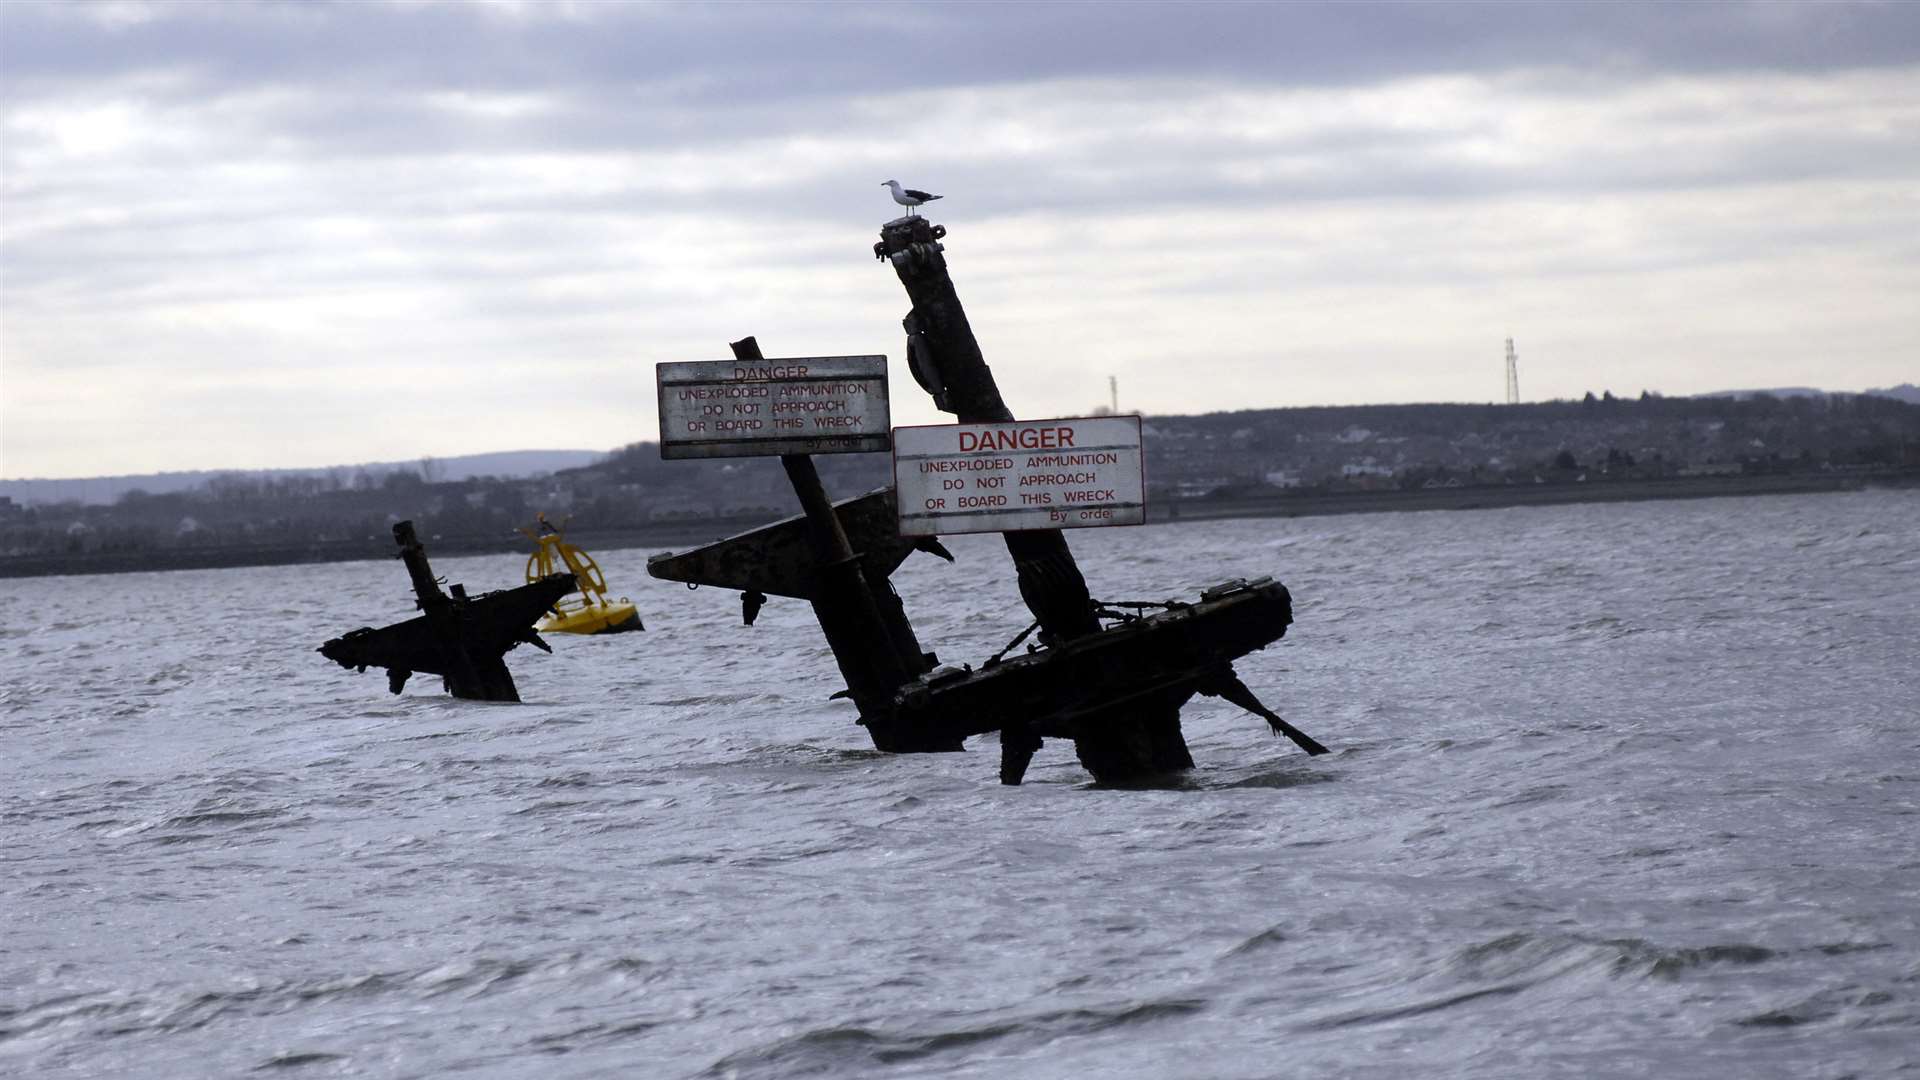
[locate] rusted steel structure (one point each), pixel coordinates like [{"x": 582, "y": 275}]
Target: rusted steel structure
[
  {"x": 462, "y": 639},
  {"x": 1111, "y": 691},
  {"x": 837, "y": 557},
  {"x": 1116, "y": 690},
  {"x": 1116, "y": 693}
]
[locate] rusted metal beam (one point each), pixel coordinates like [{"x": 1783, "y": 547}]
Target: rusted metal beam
[
  {"x": 868, "y": 646},
  {"x": 780, "y": 559},
  {"x": 814, "y": 556},
  {"x": 1141, "y": 739},
  {"x": 945, "y": 360}
]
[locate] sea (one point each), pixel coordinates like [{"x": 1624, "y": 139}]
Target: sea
[{"x": 1619, "y": 790}]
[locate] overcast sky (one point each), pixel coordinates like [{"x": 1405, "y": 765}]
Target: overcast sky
[{"x": 277, "y": 235}]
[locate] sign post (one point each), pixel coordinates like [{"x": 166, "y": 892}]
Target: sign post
[
  {"x": 1072, "y": 473},
  {"x": 753, "y": 407}
]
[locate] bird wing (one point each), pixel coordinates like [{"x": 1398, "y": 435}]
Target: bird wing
[{"x": 921, "y": 195}]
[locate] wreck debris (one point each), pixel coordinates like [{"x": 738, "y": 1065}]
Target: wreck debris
[
  {"x": 1117, "y": 692},
  {"x": 836, "y": 556},
  {"x": 462, "y": 639}
]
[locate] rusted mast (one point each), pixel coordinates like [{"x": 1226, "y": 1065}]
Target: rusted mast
[
  {"x": 946, "y": 361},
  {"x": 870, "y": 636},
  {"x": 482, "y": 679}
]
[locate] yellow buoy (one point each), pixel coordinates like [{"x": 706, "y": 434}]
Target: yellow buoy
[{"x": 587, "y": 610}]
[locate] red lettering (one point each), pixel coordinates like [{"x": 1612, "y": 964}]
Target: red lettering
[
  {"x": 772, "y": 371},
  {"x": 1053, "y": 438}
]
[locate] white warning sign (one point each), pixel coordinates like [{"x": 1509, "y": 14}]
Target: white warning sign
[
  {"x": 1070, "y": 473},
  {"x": 747, "y": 408}
]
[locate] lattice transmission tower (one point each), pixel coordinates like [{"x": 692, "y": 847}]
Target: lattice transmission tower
[{"x": 1513, "y": 374}]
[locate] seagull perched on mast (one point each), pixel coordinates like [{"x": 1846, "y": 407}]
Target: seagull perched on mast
[{"x": 908, "y": 197}]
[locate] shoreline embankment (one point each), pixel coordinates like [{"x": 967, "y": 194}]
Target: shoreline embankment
[{"x": 682, "y": 534}]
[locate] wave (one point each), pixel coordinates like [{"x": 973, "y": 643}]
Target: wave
[
  {"x": 173, "y": 1010},
  {"x": 1520, "y": 963},
  {"x": 836, "y": 1051}
]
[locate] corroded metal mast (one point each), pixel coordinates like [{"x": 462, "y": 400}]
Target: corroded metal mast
[
  {"x": 945, "y": 360},
  {"x": 1115, "y": 690},
  {"x": 876, "y": 655},
  {"x": 837, "y": 557}
]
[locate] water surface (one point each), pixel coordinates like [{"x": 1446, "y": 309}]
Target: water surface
[{"x": 1617, "y": 790}]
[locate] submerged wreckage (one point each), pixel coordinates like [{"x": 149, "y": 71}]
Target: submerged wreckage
[
  {"x": 462, "y": 639},
  {"x": 1115, "y": 689},
  {"x": 1110, "y": 676}
]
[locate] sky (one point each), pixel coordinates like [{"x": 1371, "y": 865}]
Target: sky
[{"x": 275, "y": 235}]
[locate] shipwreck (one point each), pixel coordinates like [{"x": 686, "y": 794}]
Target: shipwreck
[{"x": 1111, "y": 677}]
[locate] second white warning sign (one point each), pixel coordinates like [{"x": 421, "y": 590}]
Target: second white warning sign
[
  {"x": 748, "y": 408},
  {"x": 1071, "y": 473}
]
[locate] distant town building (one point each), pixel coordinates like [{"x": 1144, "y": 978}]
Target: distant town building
[{"x": 1712, "y": 468}]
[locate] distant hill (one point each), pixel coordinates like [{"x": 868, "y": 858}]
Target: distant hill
[
  {"x": 1906, "y": 392},
  {"x": 1448, "y": 436},
  {"x": 106, "y": 490},
  {"x": 1778, "y": 392},
  {"x": 1202, "y": 463}
]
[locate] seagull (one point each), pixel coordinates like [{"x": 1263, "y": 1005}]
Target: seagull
[{"x": 908, "y": 197}]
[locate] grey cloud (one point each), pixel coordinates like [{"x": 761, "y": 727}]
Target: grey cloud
[
  {"x": 358, "y": 81},
  {"x": 707, "y": 54},
  {"x": 1099, "y": 151},
  {"x": 288, "y": 185},
  {"x": 1116, "y": 168}
]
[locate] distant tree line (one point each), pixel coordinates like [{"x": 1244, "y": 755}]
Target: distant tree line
[{"x": 1595, "y": 439}]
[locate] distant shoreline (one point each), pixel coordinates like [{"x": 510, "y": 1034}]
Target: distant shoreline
[
  {"x": 680, "y": 535},
  {"x": 1500, "y": 496}
]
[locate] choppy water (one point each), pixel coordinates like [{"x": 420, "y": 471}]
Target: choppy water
[{"x": 1617, "y": 791}]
